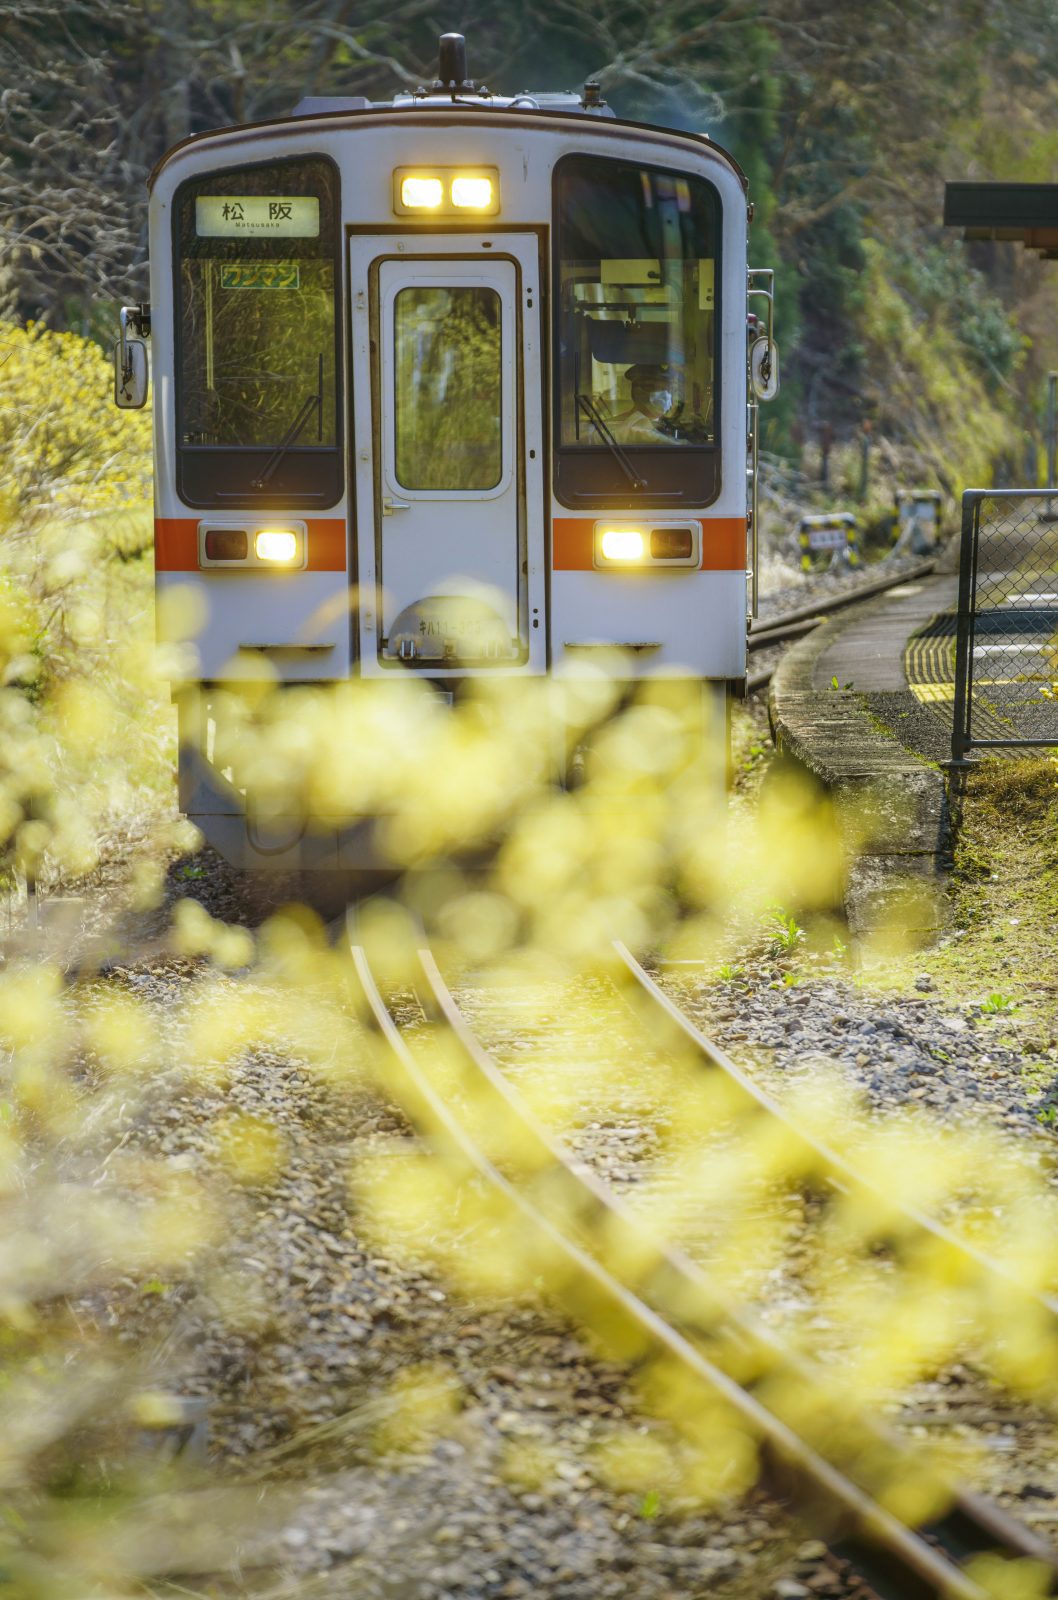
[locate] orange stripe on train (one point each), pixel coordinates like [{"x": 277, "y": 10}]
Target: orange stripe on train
[
  {"x": 176, "y": 544},
  {"x": 723, "y": 542}
]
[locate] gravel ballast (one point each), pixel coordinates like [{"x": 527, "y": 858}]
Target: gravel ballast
[
  {"x": 503, "y": 1495},
  {"x": 305, "y": 1328}
]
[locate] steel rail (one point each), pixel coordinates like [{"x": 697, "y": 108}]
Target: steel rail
[
  {"x": 901, "y": 1563},
  {"x": 789, "y": 622},
  {"x": 780, "y": 632},
  {"x": 795, "y": 624},
  {"x": 839, "y": 1172},
  {"x": 756, "y": 681},
  {"x": 679, "y": 1290}
]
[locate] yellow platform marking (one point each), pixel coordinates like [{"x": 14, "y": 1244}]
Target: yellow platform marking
[
  {"x": 929, "y": 666},
  {"x": 933, "y": 693}
]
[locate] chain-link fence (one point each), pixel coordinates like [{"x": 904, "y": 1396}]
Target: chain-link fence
[{"x": 1006, "y": 654}]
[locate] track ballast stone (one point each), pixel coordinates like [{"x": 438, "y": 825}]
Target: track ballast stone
[{"x": 327, "y": 1323}]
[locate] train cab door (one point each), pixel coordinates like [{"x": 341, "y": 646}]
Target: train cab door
[{"x": 448, "y": 450}]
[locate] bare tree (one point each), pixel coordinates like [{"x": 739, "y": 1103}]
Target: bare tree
[{"x": 97, "y": 90}]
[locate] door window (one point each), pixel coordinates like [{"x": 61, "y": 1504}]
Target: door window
[{"x": 447, "y": 373}]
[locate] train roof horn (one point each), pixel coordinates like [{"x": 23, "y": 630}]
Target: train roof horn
[{"x": 452, "y": 64}]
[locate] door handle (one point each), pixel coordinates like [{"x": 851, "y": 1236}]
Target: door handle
[{"x": 389, "y": 506}]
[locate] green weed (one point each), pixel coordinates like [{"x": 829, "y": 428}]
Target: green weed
[
  {"x": 1000, "y": 1004},
  {"x": 786, "y": 933}
]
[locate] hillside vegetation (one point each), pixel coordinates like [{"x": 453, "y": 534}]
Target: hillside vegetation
[{"x": 897, "y": 337}]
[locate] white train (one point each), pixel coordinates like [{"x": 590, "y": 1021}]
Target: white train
[{"x": 452, "y": 386}]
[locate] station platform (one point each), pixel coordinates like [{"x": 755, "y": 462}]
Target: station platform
[{"x": 864, "y": 703}]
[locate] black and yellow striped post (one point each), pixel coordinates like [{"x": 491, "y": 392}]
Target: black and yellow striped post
[
  {"x": 918, "y": 520},
  {"x": 836, "y": 532}
]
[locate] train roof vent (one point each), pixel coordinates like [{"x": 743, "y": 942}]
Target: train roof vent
[{"x": 314, "y": 104}]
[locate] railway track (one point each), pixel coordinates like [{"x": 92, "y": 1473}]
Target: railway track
[
  {"x": 794, "y": 624},
  {"x": 652, "y": 1307}
]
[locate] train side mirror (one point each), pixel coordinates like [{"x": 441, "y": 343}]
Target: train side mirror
[
  {"x": 764, "y": 368},
  {"x": 130, "y": 374},
  {"x": 131, "y": 380}
]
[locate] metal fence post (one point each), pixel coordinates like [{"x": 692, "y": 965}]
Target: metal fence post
[
  {"x": 1052, "y": 436},
  {"x": 960, "y": 725}
]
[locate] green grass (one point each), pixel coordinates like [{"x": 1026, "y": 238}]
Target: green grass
[
  {"x": 1002, "y": 943},
  {"x": 751, "y": 747}
]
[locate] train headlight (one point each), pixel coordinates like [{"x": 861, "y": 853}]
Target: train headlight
[
  {"x": 446, "y": 191},
  {"x": 672, "y": 544},
  {"x": 621, "y": 544},
  {"x": 276, "y": 544},
  {"x": 669, "y": 547},
  {"x": 421, "y": 194},
  {"x": 472, "y": 194},
  {"x": 225, "y": 544}
]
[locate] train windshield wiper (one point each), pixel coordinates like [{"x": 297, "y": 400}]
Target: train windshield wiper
[
  {"x": 311, "y": 403},
  {"x": 594, "y": 416}
]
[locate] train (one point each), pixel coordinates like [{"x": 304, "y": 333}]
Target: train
[{"x": 459, "y": 385}]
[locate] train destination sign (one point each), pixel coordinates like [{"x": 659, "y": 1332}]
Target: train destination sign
[{"x": 269, "y": 216}]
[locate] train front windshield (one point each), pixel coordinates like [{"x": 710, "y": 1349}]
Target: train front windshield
[
  {"x": 638, "y": 264},
  {"x": 257, "y": 359}
]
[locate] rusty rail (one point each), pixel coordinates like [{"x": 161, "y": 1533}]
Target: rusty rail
[{"x": 651, "y": 1305}]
